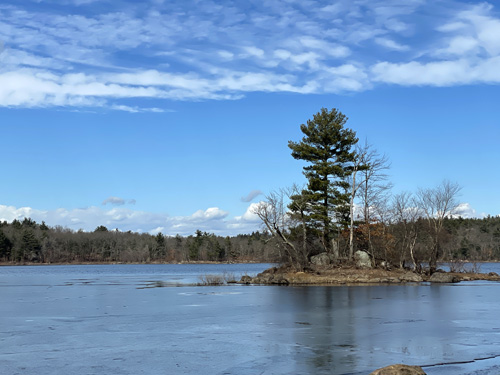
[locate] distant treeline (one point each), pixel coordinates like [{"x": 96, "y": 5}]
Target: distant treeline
[{"x": 29, "y": 242}]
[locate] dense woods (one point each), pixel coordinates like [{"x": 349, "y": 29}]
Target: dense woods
[{"x": 29, "y": 242}]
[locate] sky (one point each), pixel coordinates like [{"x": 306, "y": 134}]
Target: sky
[{"x": 172, "y": 116}]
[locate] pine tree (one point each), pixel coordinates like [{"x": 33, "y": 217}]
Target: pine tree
[
  {"x": 5, "y": 246},
  {"x": 30, "y": 246},
  {"x": 327, "y": 147}
]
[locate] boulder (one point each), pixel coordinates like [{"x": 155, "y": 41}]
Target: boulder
[
  {"x": 245, "y": 279},
  {"x": 362, "y": 259},
  {"x": 322, "y": 259},
  {"x": 399, "y": 370},
  {"x": 442, "y": 277},
  {"x": 270, "y": 276},
  {"x": 410, "y": 277}
]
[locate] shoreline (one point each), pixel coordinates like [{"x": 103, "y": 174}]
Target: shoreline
[
  {"x": 10, "y": 264},
  {"x": 338, "y": 276},
  {"x": 317, "y": 276}
]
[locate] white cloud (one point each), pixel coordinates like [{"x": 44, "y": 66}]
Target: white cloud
[
  {"x": 461, "y": 45},
  {"x": 248, "y": 220},
  {"x": 452, "y": 26},
  {"x": 212, "y": 220},
  {"x": 253, "y": 51},
  {"x": 215, "y": 52},
  {"x": 213, "y": 213},
  {"x": 442, "y": 73},
  {"x": 391, "y": 44},
  {"x": 157, "y": 230},
  {"x": 467, "y": 212},
  {"x": 226, "y": 55}
]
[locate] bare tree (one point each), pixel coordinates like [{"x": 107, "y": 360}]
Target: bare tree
[
  {"x": 437, "y": 204},
  {"x": 406, "y": 213},
  {"x": 370, "y": 182},
  {"x": 279, "y": 221},
  {"x": 360, "y": 163},
  {"x": 300, "y": 210}
]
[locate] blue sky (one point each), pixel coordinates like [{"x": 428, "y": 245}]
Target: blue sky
[{"x": 173, "y": 116}]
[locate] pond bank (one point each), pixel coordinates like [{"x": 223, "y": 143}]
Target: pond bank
[{"x": 327, "y": 275}]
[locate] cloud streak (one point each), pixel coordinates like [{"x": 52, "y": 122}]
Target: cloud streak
[
  {"x": 156, "y": 52},
  {"x": 251, "y": 196}
]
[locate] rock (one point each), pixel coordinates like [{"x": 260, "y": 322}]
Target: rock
[
  {"x": 270, "y": 276},
  {"x": 493, "y": 274},
  {"x": 245, "y": 279},
  {"x": 410, "y": 277},
  {"x": 385, "y": 265},
  {"x": 279, "y": 280},
  {"x": 270, "y": 280},
  {"x": 399, "y": 370},
  {"x": 322, "y": 259},
  {"x": 440, "y": 277},
  {"x": 362, "y": 259}
]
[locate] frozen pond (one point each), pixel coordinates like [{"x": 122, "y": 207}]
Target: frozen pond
[{"x": 113, "y": 320}]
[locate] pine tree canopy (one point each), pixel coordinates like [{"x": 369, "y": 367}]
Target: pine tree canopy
[{"x": 327, "y": 146}]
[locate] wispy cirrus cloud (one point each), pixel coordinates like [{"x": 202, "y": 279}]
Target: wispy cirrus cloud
[{"x": 102, "y": 56}]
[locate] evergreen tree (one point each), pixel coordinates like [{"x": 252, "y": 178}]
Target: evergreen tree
[
  {"x": 30, "y": 246},
  {"x": 327, "y": 147},
  {"x": 5, "y": 246},
  {"x": 160, "y": 248}
]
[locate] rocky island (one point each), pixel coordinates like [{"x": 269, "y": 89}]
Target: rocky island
[{"x": 358, "y": 272}]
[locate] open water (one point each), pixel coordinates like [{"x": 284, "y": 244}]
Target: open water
[{"x": 121, "y": 319}]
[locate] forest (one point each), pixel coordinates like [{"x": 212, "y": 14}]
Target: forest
[
  {"x": 29, "y": 242},
  {"x": 25, "y": 241}
]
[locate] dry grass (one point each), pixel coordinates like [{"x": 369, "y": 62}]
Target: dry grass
[
  {"x": 461, "y": 266},
  {"x": 209, "y": 279}
]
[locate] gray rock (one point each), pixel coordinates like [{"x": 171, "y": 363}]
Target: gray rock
[
  {"x": 362, "y": 259},
  {"x": 410, "y": 277},
  {"x": 442, "y": 277},
  {"x": 385, "y": 265},
  {"x": 399, "y": 370},
  {"x": 245, "y": 279},
  {"x": 322, "y": 259},
  {"x": 269, "y": 278}
]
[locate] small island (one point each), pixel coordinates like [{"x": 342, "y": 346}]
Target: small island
[{"x": 338, "y": 275}]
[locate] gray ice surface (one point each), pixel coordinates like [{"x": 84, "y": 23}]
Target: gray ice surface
[{"x": 114, "y": 321}]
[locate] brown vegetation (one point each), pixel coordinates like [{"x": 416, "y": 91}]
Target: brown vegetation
[{"x": 348, "y": 275}]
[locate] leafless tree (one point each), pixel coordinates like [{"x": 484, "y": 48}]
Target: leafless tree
[
  {"x": 279, "y": 221},
  {"x": 437, "y": 204},
  {"x": 369, "y": 181},
  {"x": 406, "y": 212},
  {"x": 355, "y": 182}
]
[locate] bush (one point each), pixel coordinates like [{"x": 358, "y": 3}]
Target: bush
[{"x": 225, "y": 278}]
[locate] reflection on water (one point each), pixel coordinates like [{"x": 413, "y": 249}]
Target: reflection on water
[{"x": 105, "y": 321}]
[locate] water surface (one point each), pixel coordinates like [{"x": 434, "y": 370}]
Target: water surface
[{"x": 112, "y": 320}]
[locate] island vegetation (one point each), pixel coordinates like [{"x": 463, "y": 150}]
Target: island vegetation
[
  {"x": 345, "y": 208},
  {"x": 346, "y": 213}
]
